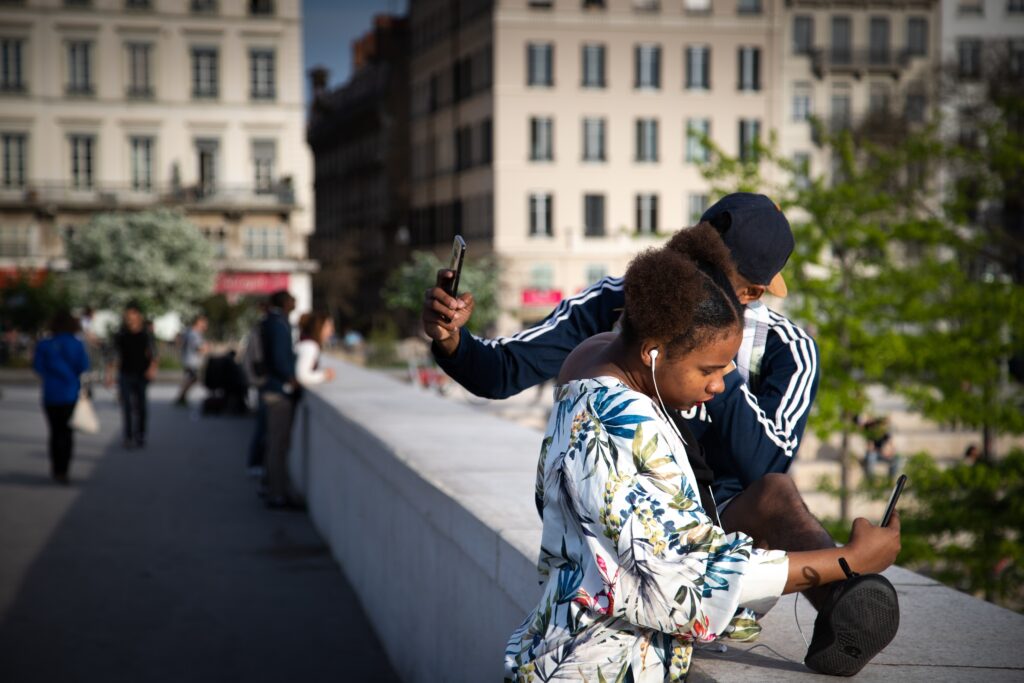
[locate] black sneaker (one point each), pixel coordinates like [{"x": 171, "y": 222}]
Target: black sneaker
[{"x": 859, "y": 618}]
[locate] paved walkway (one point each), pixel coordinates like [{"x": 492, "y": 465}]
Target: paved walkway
[{"x": 161, "y": 564}]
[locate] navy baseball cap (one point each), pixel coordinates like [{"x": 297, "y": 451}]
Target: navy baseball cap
[{"x": 758, "y": 235}]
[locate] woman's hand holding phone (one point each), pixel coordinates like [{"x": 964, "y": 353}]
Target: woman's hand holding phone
[{"x": 873, "y": 548}]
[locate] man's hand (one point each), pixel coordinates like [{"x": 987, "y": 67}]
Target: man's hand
[
  {"x": 874, "y": 548},
  {"x": 444, "y": 316}
]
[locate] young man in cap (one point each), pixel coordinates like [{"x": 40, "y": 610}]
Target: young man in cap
[{"x": 749, "y": 433}]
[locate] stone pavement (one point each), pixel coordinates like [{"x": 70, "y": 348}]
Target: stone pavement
[{"x": 161, "y": 564}]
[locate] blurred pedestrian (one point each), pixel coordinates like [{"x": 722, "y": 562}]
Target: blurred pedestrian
[
  {"x": 314, "y": 331},
  {"x": 60, "y": 361},
  {"x": 256, "y": 374},
  {"x": 972, "y": 455},
  {"x": 193, "y": 348},
  {"x": 276, "y": 394},
  {"x": 880, "y": 449},
  {"x": 136, "y": 359}
]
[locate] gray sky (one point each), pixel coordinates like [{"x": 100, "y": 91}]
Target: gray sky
[{"x": 330, "y": 26}]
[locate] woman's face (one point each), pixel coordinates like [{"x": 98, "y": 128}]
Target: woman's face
[
  {"x": 326, "y": 332},
  {"x": 684, "y": 381}
]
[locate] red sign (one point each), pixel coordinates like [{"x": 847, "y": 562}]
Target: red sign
[
  {"x": 541, "y": 297},
  {"x": 34, "y": 276},
  {"x": 250, "y": 283}
]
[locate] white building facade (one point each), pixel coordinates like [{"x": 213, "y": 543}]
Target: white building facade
[{"x": 130, "y": 104}]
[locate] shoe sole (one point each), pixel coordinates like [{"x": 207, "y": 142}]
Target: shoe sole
[{"x": 861, "y": 623}]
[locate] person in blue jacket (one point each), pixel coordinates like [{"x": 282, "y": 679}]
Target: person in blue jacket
[
  {"x": 60, "y": 360},
  {"x": 749, "y": 433}
]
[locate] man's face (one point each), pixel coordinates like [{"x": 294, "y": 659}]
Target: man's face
[
  {"x": 201, "y": 324},
  {"x": 133, "y": 319},
  {"x": 746, "y": 291}
]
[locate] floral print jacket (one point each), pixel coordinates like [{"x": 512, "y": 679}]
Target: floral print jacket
[{"x": 633, "y": 570}]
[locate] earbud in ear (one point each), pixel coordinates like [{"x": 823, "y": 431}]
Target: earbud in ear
[{"x": 654, "y": 355}]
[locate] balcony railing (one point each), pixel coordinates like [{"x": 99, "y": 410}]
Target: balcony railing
[
  {"x": 280, "y": 195},
  {"x": 858, "y": 62}
]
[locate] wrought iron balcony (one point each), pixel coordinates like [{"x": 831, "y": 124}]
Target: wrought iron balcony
[
  {"x": 858, "y": 62},
  {"x": 278, "y": 196}
]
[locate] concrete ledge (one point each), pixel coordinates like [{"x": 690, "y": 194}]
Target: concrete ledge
[{"x": 428, "y": 507}]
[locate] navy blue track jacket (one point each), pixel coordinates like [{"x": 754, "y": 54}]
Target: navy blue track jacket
[{"x": 752, "y": 428}]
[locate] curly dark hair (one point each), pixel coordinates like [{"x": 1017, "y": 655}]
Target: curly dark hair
[{"x": 681, "y": 292}]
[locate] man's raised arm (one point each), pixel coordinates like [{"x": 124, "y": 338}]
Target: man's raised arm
[{"x": 504, "y": 366}]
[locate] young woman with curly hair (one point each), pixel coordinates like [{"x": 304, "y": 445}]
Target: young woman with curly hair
[{"x": 635, "y": 567}]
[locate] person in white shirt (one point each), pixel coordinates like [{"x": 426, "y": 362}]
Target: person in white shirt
[{"x": 314, "y": 331}]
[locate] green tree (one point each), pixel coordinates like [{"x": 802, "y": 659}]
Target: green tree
[
  {"x": 157, "y": 258},
  {"x": 879, "y": 275},
  {"x": 406, "y": 285},
  {"x": 27, "y": 304}
]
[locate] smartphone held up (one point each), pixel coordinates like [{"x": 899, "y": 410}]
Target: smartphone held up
[{"x": 451, "y": 286}]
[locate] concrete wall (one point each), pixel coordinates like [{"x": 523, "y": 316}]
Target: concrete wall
[{"x": 427, "y": 505}]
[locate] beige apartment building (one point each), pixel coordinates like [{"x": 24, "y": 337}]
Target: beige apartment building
[
  {"x": 130, "y": 104},
  {"x": 556, "y": 134},
  {"x": 843, "y": 61}
]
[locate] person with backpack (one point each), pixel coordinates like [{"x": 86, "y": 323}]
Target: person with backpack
[{"x": 60, "y": 361}]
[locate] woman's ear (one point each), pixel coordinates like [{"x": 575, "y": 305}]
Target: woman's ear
[{"x": 649, "y": 352}]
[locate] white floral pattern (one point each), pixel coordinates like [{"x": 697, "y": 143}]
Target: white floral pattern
[{"x": 633, "y": 569}]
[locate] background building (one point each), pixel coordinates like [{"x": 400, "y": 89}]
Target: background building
[
  {"x": 557, "y": 134},
  {"x": 359, "y": 136},
  {"x": 129, "y": 104}
]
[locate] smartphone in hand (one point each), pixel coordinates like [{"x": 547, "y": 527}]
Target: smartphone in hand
[
  {"x": 451, "y": 287},
  {"x": 891, "y": 507}
]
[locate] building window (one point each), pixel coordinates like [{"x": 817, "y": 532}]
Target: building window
[
  {"x": 206, "y": 172},
  {"x": 646, "y": 214},
  {"x": 217, "y": 237},
  {"x": 698, "y": 67},
  {"x": 540, "y": 64},
  {"x": 1014, "y": 6},
  {"x": 842, "y": 40},
  {"x": 204, "y": 72},
  {"x": 593, "y": 66},
  {"x": 917, "y": 36},
  {"x": 596, "y": 272},
  {"x": 878, "y": 40},
  {"x": 914, "y": 108},
  {"x": 647, "y": 5},
  {"x": 803, "y": 34},
  {"x": 541, "y": 139},
  {"x": 264, "y": 153},
  {"x": 15, "y": 156},
  {"x": 840, "y": 114},
  {"x": 750, "y": 68},
  {"x": 82, "y": 149},
  {"x": 540, "y": 215},
  {"x": 802, "y": 169},
  {"x": 139, "y": 84},
  {"x": 80, "y": 67},
  {"x": 16, "y": 241},
  {"x": 696, "y": 131},
  {"x": 969, "y": 58},
  {"x": 697, "y": 6},
  {"x": 801, "y": 101},
  {"x": 1016, "y": 58},
  {"x": 138, "y": 4},
  {"x": 463, "y": 148},
  {"x": 648, "y": 66},
  {"x": 647, "y": 140},
  {"x": 261, "y": 8},
  {"x": 593, "y": 215},
  {"x": 11, "y": 65},
  {"x": 203, "y": 6},
  {"x": 261, "y": 74},
  {"x": 748, "y": 6},
  {"x": 142, "y": 163},
  {"x": 593, "y": 140},
  {"x": 971, "y": 7},
  {"x": 878, "y": 99},
  {"x": 750, "y": 137},
  {"x": 486, "y": 144},
  {"x": 262, "y": 242},
  {"x": 698, "y": 204},
  {"x": 542, "y": 277}
]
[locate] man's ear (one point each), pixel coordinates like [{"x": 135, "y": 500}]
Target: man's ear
[{"x": 750, "y": 293}]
